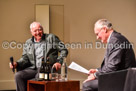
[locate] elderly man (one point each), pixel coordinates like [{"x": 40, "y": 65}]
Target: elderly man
[
  {"x": 117, "y": 57},
  {"x": 39, "y": 46}
]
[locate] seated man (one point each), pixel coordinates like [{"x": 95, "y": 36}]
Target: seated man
[
  {"x": 39, "y": 46},
  {"x": 117, "y": 56}
]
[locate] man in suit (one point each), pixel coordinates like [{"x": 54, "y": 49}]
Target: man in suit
[
  {"x": 119, "y": 54},
  {"x": 39, "y": 46}
]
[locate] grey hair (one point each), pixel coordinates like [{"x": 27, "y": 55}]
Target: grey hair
[
  {"x": 33, "y": 24},
  {"x": 104, "y": 23}
]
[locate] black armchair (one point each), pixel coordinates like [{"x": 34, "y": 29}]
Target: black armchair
[{"x": 124, "y": 80}]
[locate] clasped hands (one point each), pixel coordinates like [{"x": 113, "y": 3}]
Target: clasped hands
[{"x": 91, "y": 75}]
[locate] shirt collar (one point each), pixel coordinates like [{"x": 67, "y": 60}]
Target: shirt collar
[
  {"x": 36, "y": 41},
  {"x": 109, "y": 38}
]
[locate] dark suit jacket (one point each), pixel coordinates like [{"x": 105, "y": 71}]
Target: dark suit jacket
[{"x": 119, "y": 55}]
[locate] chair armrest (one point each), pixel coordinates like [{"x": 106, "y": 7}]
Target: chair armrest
[{"x": 114, "y": 81}]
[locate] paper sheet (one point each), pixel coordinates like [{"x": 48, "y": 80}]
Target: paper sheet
[{"x": 77, "y": 67}]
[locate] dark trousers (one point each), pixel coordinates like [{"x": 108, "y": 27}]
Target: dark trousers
[
  {"x": 21, "y": 78},
  {"x": 90, "y": 85}
]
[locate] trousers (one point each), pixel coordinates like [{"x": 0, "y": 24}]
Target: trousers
[
  {"x": 90, "y": 85},
  {"x": 21, "y": 78}
]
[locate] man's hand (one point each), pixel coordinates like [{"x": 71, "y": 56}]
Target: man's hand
[
  {"x": 90, "y": 77},
  {"x": 92, "y": 71},
  {"x": 11, "y": 66},
  {"x": 57, "y": 66}
]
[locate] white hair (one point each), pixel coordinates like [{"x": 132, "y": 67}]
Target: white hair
[
  {"x": 33, "y": 24},
  {"x": 104, "y": 23}
]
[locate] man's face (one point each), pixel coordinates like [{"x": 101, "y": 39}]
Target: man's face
[
  {"x": 100, "y": 34},
  {"x": 37, "y": 32}
]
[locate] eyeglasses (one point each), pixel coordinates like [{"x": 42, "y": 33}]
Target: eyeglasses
[{"x": 99, "y": 31}]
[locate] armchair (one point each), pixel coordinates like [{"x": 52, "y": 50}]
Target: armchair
[{"x": 124, "y": 80}]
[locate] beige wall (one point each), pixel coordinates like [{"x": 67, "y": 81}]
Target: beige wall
[
  {"x": 79, "y": 17},
  {"x": 42, "y": 16}
]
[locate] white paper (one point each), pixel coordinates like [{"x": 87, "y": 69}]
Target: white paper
[{"x": 77, "y": 67}]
